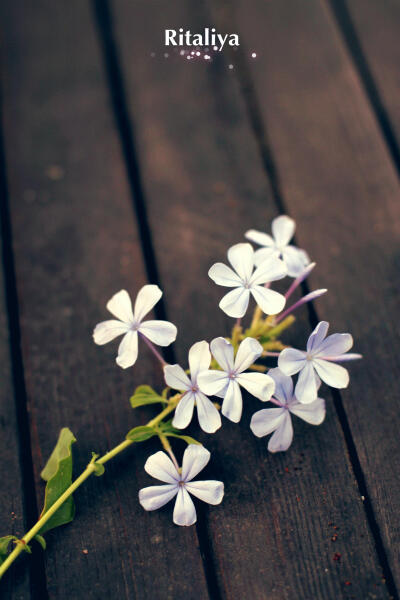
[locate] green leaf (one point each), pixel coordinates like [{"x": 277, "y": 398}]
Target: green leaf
[
  {"x": 4, "y": 543},
  {"x": 40, "y": 540},
  {"x": 166, "y": 426},
  {"x": 186, "y": 438},
  {"x": 141, "y": 434},
  {"x": 144, "y": 394},
  {"x": 58, "y": 474}
]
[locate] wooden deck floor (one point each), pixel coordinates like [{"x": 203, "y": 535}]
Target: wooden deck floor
[{"x": 120, "y": 168}]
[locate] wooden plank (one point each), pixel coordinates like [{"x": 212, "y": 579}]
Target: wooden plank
[
  {"x": 11, "y": 491},
  {"x": 205, "y": 186},
  {"x": 339, "y": 183},
  {"x": 76, "y": 243},
  {"x": 371, "y": 30}
]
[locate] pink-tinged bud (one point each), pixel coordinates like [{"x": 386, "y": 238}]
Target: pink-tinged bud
[
  {"x": 295, "y": 284},
  {"x": 307, "y": 298}
]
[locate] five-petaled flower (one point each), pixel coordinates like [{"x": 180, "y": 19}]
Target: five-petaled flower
[
  {"x": 180, "y": 484},
  {"x": 283, "y": 228},
  {"x": 278, "y": 420},
  {"x": 246, "y": 282},
  {"x": 131, "y": 323},
  {"x": 176, "y": 378},
  {"x": 319, "y": 360},
  {"x": 226, "y": 383}
]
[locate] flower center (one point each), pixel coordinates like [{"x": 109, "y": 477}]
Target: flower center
[
  {"x": 309, "y": 357},
  {"x": 134, "y": 326},
  {"x": 194, "y": 388},
  {"x": 181, "y": 483},
  {"x": 232, "y": 375}
]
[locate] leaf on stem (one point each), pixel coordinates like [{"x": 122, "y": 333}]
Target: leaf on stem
[
  {"x": 144, "y": 394},
  {"x": 185, "y": 438},
  {"x": 98, "y": 468},
  {"x": 141, "y": 433},
  {"x": 4, "y": 544},
  {"x": 58, "y": 474},
  {"x": 40, "y": 540}
]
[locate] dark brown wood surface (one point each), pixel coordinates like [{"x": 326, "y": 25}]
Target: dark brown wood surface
[
  {"x": 206, "y": 130},
  {"x": 126, "y": 166},
  {"x": 338, "y": 181},
  {"x": 73, "y": 223}
]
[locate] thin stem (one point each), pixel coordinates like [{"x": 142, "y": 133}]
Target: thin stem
[
  {"x": 154, "y": 351},
  {"x": 90, "y": 469},
  {"x": 167, "y": 446},
  {"x": 256, "y": 316}
]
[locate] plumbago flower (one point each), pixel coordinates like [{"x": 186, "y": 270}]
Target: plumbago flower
[
  {"x": 176, "y": 378},
  {"x": 180, "y": 483},
  {"x": 318, "y": 361},
  {"x": 283, "y": 228},
  {"x": 131, "y": 324},
  {"x": 246, "y": 282},
  {"x": 227, "y": 382},
  {"x": 250, "y": 274},
  {"x": 278, "y": 420}
]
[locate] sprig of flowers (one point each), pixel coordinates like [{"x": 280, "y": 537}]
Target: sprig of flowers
[{"x": 220, "y": 369}]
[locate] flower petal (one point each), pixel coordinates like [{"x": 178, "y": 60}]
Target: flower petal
[
  {"x": 295, "y": 259},
  {"x": 283, "y": 385},
  {"x": 108, "y": 330},
  {"x": 313, "y": 413},
  {"x": 241, "y": 257},
  {"x": 176, "y": 378},
  {"x": 317, "y": 336},
  {"x": 283, "y": 228},
  {"x": 199, "y": 359},
  {"x": 247, "y": 354},
  {"x": 259, "y": 237},
  {"x": 263, "y": 254},
  {"x": 291, "y": 361},
  {"x": 265, "y": 421},
  {"x": 335, "y": 344},
  {"x": 212, "y": 382},
  {"x": 195, "y": 458},
  {"x": 271, "y": 269},
  {"x": 260, "y": 385},
  {"x": 235, "y": 303},
  {"x": 283, "y": 436},
  {"x": 334, "y": 375},
  {"x": 184, "y": 411},
  {"x": 184, "y": 511},
  {"x": 222, "y": 351},
  {"x": 207, "y": 413},
  {"x": 306, "y": 387},
  {"x": 162, "y": 333},
  {"x": 223, "y": 275},
  {"x": 161, "y": 467},
  {"x": 120, "y": 306},
  {"x": 146, "y": 299},
  {"x": 270, "y": 302},
  {"x": 128, "y": 350},
  {"x": 209, "y": 491},
  {"x": 232, "y": 405},
  {"x": 156, "y": 496}
]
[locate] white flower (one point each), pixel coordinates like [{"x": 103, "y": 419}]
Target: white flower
[
  {"x": 245, "y": 282},
  {"x": 131, "y": 324},
  {"x": 176, "y": 378},
  {"x": 226, "y": 383},
  {"x": 278, "y": 420},
  {"x": 317, "y": 360},
  {"x": 283, "y": 228},
  {"x": 160, "y": 466}
]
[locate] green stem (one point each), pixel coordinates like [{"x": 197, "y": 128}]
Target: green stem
[{"x": 90, "y": 469}]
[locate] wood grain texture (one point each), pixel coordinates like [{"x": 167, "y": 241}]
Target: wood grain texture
[
  {"x": 339, "y": 183},
  {"x": 12, "y": 519},
  {"x": 76, "y": 243},
  {"x": 376, "y": 29},
  {"x": 205, "y": 186}
]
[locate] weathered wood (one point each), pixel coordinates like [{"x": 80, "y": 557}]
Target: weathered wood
[
  {"x": 371, "y": 30},
  {"x": 205, "y": 186},
  {"x": 338, "y": 181},
  {"x": 76, "y": 243},
  {"x": 11, "y": 490}
]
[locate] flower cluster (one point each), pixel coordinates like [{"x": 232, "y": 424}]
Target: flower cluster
[{"x": 226, "y": 365}]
